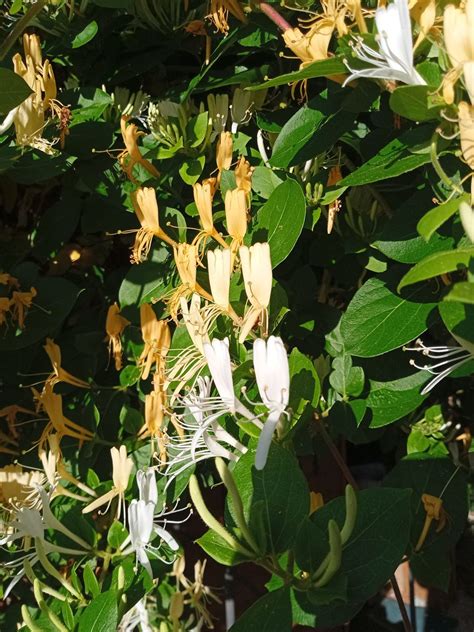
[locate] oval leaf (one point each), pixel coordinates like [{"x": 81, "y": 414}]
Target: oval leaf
[
  {"x": 437, "y": 263},
  {"x": 14, "y": 90},
  {"x": 86, "y": 35}
]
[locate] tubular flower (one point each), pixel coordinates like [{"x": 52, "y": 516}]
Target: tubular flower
[
  {"x": 195, "y": 594},
  {"x": 146, "y": 208},
  {"x": 10, "y": 414},
  {"x": 424, "y": 14},
  {"x": 5, "y": 306},
  {"x": 218, "y": 107},
  {"x": 17, "y": 487},
  {"x": 21, "y": 303},
  {"x": 394, "y": 60},
  {"x": 122, "y": 466},
  {"x": 466, "y": 213},
  {"x": 203, "y": 197},
  {"x": 236, "y": 215},
  {"x": 52, "y": 404},
  {"x": 114, "y": 326},
  {"x": 224, "y": 152},
  {"x": 219, "y": 263},
  {"x": 243, "y": 175},
  {"x": 131, "y": 155},
  {"x": 155, "y": 409},
  {"x": 270, "y": 362},
  {"x": 257, "y": 272},
  {"x": 59, "y": 374},
  {"x": 219, "y": 13},
  {"x": 186, "y": 259},
  {"x": 157, "y": 338},
  {"x": 459, "y": 42},
  {"x": 29, "y": 116}
]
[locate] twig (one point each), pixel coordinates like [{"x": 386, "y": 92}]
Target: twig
[
  {"x": 351, "y": 480},
  {"x": 20, "y": 26}
]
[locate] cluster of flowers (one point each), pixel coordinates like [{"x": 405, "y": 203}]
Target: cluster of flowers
[{"x": 16, "y": 303}]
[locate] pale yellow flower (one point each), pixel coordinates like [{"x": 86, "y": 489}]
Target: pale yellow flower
[
  {"x": 459, "y": 41},
  {"x": 236, "y": 215},
  {"x": 157, "y": 338},
  {"x": 257, "y": 272},
  {"x": 224, "y": 151},
  {"x": 122, "y": 466},
  {"x": 219, "y": 13},
  {"x": 146, "y": 207},
  {"x": 17, "y": 487},
  {"x": 243, "y": 175},
  {"x": 219, "y": 265},
  {"x": 131, "y": 156}
]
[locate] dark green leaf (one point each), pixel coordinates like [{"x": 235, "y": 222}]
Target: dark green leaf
[
  {"x": 101, "y": 615},
  {"x": 270, "y": 613},
  {"x": 219, "y": 550},
  {"x": 14, "y": 90},
  {"x": 392, "y": 400},
  {"x": 413, "y": 102}
]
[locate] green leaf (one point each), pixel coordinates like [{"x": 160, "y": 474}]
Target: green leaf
[
  {"x": 437, "y": 216},
  {"x": 392, "y": 400},
  {"x": 283, "y": 490},
  {"x": 90, "y": 581},
  {"x": 280, "y": 220},
  {"x": 459, "y": 319},
  {"x": 323, "y": 68},
  {"x": 346, "y": 379},
  {"x": 434, "y": 476},
  {"x": 53, "y": 302},
  {"x": 219, "y": 550},
  {"x": 101, "y": 615},
  {"x": 378, "y": 320},
  {"x": 396, "y": 158},
  {"x": 264, "y": 181},
  {"x": 268, "y": 614},
  {"x": 191, "y": 169},
  {"x": 436, "y": 264},
  {"x": 304, "y": 384},
  {"x": 462, "y": 292},
  {"x": 14, "y": 90},
  {"x": 116, "y": 534},
  {"x": 146, "y": 282},
  {"x": 369, "y": 558},
  {"x": 413, "y": 102},
  {"x": 86, "y": 35}
]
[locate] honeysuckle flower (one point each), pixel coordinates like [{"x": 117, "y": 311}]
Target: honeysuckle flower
[
  {"x": 136, "y": 616},
  {"x": 29, "y": 117},
  {"x": 156, "y": 335},
  {"x": 131, "y": 156},
  {"x": 236, "y": 215},
  {"x": 466, "y": 213},
  {"x": 446, "y": 360},
  {"x": 219, "y": 13},
  {"x": 186, "y": 260},
  {"x": 459, "y": 42},
  {"x": 205, "y": 438},
  {"x": 195, "y": 593},
  {"x": 59, "y": 374},
  {"x": 394, "y": 59},
  {"x": 122, "y": 466},
  {"x": 219, "y": 265},
  {"x": 203, "y": 197},
  {"x": 224, "y": 151},
  {"x": 146, "y": 209},
  {"x": 147, "y": 490},
  {"x": 5, "y": 306},
  {"x": 155, "y": 407},
  {"x": 52, "y": 403},
  {"x": 10, "y": 413},
  {"x": 21, "y": 303},
  {"x": 114, "y": 326},
  {"x": 243, "y": 175},
  {"x": 218, "y": 108},
  {"x": 272, "y": 372},
  {"x": 257, "y": 272},
  {"x": 18, "y": 487},
  {"x": 8, "y": 279},
  {"x": 218, "y": 361},
  {"x": 424, "y": 14}
]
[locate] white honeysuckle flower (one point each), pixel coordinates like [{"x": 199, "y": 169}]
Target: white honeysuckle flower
[
  {"x": 147, "y": 489},
  {"x": 394, "y": 60},
  {"x": 26, "y": 523},
  {"x": 136, "y": 617},
  {"x": 257, "y": 272},
  {"x": 219, "y": 265},
  {"x": 466, "y": 213},
  {"x": 272, "y": 372},
  {"x": 8, "y": 120},
  {"x": 447, "y": 360},
  {"x": 218, "y": 361},
  {"x": 205, "y": 438}
]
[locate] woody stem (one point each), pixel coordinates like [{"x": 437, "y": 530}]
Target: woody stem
[{"x": 274, "y": 16}]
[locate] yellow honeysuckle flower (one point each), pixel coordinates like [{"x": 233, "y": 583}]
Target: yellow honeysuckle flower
[
  {"x": 5, "y": 306},
  {"x": 203, "y": 198},
  {"x": 224, "y": 151},
  {"x": 122, "y": 466},
  {"x": 114, "y": 326},
  {"x": 434, "y": 511},
  {"x": 466, "y": 132},
  {"x": 7, "y": 279},
  {"x": 21, "y": 302},
  {"x": 186, "y": 259},
  {"x": 219, "y": 265},
  {"x": 219, "y": 12},
  {"x": 131, "y": 156},
  {"x": 59, "y": 374},
  {"x": 17, "y": 487},
  {"x": 459, "y": 41},
  {"x": 52, "y": 404},
  {"x": 424, "y": 14},
  {"x": 257, "y": 272},
  {"x": 10, "y": 414},
  {"x": 29, "y": 118},
  {"x": 243, "y": 175},
  {"x": 236, "y": 215},
  {"x": 156, "y": 335},
  {"x": 146, "y": 208}
]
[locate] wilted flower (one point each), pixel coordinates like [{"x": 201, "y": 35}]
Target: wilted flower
[
  {"x": 21, "y": 303},
  {"x": 459, "y": 42},
  {"x": 114, "y": 326},
  {"x": 157, "y": 338},
  {"x": 59, "y": 374},
  {"x": 272, "y": 372},
  {"x": 219, "y": 13},
  {"x": 394, "y": 60}
]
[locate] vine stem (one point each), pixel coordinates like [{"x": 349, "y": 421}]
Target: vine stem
[
  {"x": 21, "y": 25},
  {"x": 351, "y": 480},
  {"x": 274, "y": 16}
]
